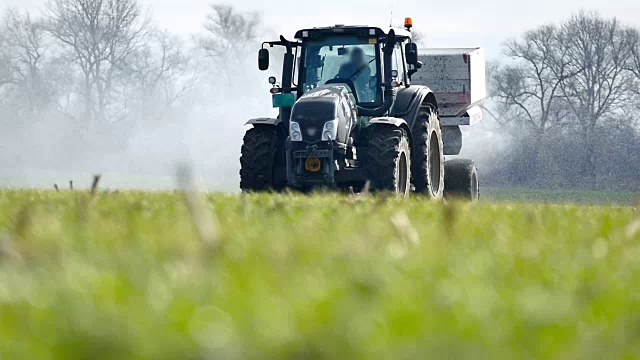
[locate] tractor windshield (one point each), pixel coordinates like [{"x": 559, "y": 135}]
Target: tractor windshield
[{"x": 351, "y": 60}]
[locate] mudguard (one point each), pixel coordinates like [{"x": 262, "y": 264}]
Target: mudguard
[
  {"x": 398, "y": 122},
  {"x": 407, "y": 105},
  {"x": 264, "y": 121},
  {"x": 409, "y": 100}
]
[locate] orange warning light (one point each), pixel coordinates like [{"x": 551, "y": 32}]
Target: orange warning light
[{"x": 408, "y": 23}]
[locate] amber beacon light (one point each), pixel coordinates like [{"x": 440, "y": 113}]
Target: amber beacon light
[{"x": 408, "y": 23}]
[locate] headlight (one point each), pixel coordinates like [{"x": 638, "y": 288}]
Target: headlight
[
  {"x": 296, "y": 136},
  {"x": 329, "y": 126},
  {"x": 294, "y": 131},
  {"x": 330, "y": 130}
]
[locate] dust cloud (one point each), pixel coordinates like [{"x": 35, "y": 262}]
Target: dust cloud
[{"x": 53, "y": 150}]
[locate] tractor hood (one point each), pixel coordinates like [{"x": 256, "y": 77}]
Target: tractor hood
[
  {"x": 336, "y": 92},
  {"x": 324, "y": 104}
]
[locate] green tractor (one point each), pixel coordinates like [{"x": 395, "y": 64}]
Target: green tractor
[{"x": 350, "y": 117}]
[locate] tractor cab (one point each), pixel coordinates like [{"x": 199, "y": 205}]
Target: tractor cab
[{"x": 369, "y": 60}]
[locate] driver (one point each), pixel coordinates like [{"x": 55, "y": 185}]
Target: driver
[{"x": 356, "y": 70}]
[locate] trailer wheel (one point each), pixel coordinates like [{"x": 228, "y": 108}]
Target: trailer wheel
[
  {"x": 461, "y": 180},
  {"x": 388, "y": 160},
  {"x": 428, "y": 162},
  {"x": 261, "y": 158}
]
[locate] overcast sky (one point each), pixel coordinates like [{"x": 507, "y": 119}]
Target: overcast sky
[{"x": 457, "y": 23}]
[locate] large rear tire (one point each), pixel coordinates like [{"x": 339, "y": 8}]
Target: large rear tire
[
  {"x": 388, "y": 160},
  {"x": 262, "y": 155},
  {"x": 461, "y": 180},
  {"x": 428, "y": 154}
]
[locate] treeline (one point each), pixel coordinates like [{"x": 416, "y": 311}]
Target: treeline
[
  {"x": 102, "y": 68},
  {"x": 568, "y": 98}
]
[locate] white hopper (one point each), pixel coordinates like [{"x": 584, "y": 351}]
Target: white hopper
[{"x": 457, "y": 78}]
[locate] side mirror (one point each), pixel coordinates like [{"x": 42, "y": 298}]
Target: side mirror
[
  {"x": 263, "y": 59},
  {"x": 411, "y": 53}
]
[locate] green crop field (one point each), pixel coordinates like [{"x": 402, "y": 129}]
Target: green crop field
[
  {"x": 137, "y": 275},
  {"x": 561, "y": 196}
]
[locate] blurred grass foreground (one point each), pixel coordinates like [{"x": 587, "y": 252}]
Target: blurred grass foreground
[{"x": 148, "y": 276}]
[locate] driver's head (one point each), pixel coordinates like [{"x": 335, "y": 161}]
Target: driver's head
[{"x": 357, "y": 56}]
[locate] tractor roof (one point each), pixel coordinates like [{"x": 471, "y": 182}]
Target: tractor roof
[{"x": 357, "y": 30}]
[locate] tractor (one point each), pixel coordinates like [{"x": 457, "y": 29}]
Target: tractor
[{"x": 355, "y": 113}]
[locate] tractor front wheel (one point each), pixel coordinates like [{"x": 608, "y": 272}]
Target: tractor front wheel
[
  {"x": 388, "y": 160},
  {"x": 461, "y": 180},
  {"x": 262, "y": 155}
]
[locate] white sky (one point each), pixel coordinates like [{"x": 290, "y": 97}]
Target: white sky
[{"x": 457, "y": 23}]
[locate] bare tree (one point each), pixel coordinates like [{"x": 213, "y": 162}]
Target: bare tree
[
  {"x": 99, "y": 36},
  {"x": 598, "y": 51},
  {"x": 634, "y": 64},
  {"x": 163, "y": 73},
  {"x": 230, "y": 36},
  {"x": 570, "y": 96},
  {"x": 22, "y": 59},
  {"x": 6, "y": 78},
  {"x": 419, "y": 37},
  {"x": 529, "y": 89}
]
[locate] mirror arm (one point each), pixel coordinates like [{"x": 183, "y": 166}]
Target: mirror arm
[
  {"x": 281, "y": 90},
  {"x": 283, "y": 42}
]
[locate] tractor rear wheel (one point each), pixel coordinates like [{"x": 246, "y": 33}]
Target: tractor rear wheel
[
  {"x": 388, "y": 160},
  {"x": 461, "y": 180},
  {"x": 428, "y": 154},
  {"x": 262, "y": 155}
]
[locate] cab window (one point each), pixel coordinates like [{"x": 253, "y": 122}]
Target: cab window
[
  {"x": 398, "y": 63},
  {"x": 350, "y": 60}
]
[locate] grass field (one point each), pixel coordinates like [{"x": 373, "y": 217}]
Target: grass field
[
  {"x": 586, "y": 197},
  {"x": 128, "y": 275}
]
